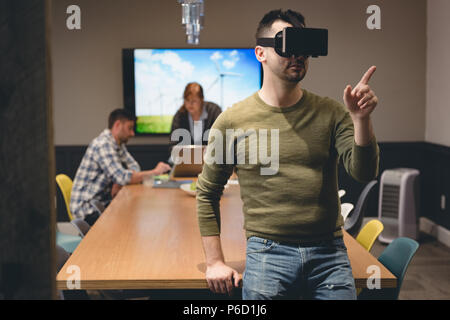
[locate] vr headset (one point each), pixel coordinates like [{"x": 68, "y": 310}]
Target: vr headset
[{"x": 298, "y": 42}]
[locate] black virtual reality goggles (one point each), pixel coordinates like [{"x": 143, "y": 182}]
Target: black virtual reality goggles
[{"x": 298, "y": 42}]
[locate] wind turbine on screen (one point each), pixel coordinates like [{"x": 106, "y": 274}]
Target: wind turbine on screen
[
  {"x": 220, "y": 77},
  {"x": 165, "y": 101}
]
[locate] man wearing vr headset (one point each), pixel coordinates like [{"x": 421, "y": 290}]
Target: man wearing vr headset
[{"x": 292, "y": 218}]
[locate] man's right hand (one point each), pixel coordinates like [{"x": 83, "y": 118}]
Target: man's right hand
[
  {"x": 161, "y": 168},
  {"x": 115, "y": 190},
  {"x": 139, "y": 177},
  {"x": 221, "y": 278}
]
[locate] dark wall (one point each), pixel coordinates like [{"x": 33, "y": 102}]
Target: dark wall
[
  {"x": 436, "y": 182},
  {"x": 432, "y": 160},
  {"x": 27, "y": 215}
]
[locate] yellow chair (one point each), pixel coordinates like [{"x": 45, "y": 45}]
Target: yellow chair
[
  {"x": 65, "y": 185},
  {"x": 367, "y": 236},
  {"x": 369, "y": 233}
]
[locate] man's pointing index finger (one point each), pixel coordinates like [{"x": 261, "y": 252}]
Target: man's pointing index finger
[{"x": 366, "y": 77}]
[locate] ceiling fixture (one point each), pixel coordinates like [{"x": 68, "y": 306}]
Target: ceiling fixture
[{"x": 192, "y": 16}]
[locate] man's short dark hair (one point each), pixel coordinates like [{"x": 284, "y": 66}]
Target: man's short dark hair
[
  {"x": 293, "y": 17},
  {"x": 120, "y": 114}
]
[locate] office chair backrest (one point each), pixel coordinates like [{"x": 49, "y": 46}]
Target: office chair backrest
[
  {"x": 346, "y": 208},
  {"x": 369, "y": 233},
  {"x": 396, "y": 258},
  {"x": 65, "y": 185},
  {"x": 67, "y": 241},
  {"x": 98, "y": 206},
  {"x": 353, "y": 223},
  {"x": 81, "y": 225},
  {"x": 61, "y": 257}
]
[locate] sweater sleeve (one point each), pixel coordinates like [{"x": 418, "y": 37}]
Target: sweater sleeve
[
  {"x": 211, "y": 181},
  {"x": 360, "y": 162}
]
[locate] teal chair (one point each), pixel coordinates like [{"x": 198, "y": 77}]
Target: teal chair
[
  {"x": 67, "y": 242},
  {"x": 396, "y": 258}
]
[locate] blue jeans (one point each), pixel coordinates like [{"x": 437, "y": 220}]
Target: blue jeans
[{"x": 283, "y": 271}]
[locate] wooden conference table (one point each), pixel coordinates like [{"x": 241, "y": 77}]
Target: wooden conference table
[{"x": 148, "y": 238}]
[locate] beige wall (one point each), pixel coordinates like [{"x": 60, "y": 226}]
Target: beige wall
[
  {"x": 88, "y": 72},
  {"x": 438, "y": 71}
]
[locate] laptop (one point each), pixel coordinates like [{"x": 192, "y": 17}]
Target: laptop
[{"x": 190, "y": 161}]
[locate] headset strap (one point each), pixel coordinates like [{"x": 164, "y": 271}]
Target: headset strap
[{"x": 266, "y": 42}]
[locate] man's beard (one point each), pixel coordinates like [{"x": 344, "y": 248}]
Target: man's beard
[
  {"x": 296, "y": 76},
  {"x": 123, "y": 140}
]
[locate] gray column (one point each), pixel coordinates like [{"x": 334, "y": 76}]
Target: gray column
[{"x": 27, "y": 185}]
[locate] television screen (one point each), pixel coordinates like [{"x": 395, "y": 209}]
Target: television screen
[{"x": 155, "y": 79}]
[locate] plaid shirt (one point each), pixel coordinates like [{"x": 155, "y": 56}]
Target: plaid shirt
[{"x": 104, "y": 163}]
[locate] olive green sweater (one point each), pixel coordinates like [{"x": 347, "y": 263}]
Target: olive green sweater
[{"x": 298, "y": 202}]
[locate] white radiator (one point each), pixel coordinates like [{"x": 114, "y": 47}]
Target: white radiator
[{"x": 399, "y": 205}]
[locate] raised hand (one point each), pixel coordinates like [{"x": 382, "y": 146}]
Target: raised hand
[{"x": 361, "y": 101}]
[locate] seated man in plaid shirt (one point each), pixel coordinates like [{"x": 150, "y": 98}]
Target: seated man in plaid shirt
[{"x": 106, "y": 167}]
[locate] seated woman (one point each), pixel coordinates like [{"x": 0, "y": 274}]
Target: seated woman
[{"x": 196, "y": 115}]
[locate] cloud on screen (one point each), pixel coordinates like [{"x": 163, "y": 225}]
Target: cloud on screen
[
  {"x": 232, "y": 59},
  {"x": 160, "y": 79}
]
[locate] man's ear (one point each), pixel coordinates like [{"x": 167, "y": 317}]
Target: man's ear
[
  {"x": 260, "y": 54},
  {"x": 116, "y": 125}
]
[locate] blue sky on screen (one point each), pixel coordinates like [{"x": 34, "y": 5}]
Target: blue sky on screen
[{"x": 162, "y": 74}]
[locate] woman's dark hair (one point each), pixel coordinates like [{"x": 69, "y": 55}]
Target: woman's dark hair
[
  {"x": 120, "y": 114},
  {"x": 192, "y": 88},
  {"x": 293, "y": 17}
]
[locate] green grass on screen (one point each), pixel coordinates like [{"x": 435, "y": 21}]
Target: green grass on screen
[{"x": 154, "y": 124}]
